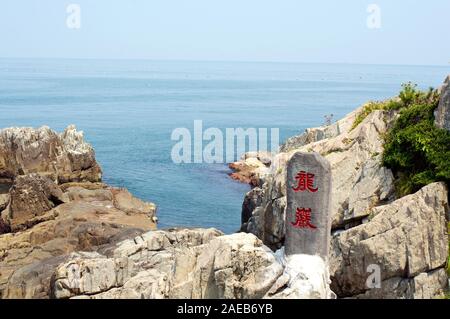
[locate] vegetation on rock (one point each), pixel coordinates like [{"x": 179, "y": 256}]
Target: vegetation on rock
[
  {"x": 392, "y": 104},
  {"x": 415, "y": 149}
]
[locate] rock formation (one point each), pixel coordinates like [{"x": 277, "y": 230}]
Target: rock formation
[
  {"x": 252, "y": 168},
  {"x": 188, "y": 263},
  {"x": 62, "y": 157},
  {"x": 41, "y": 221},
  {"x": 89, "y": 220},
  {"x": 359, "y": 182},
  {"x": 442, "y": 114},
  {"x": 29, "y": 198},
  {"x": 304, "y": 277},
  {"x": 316, "y": 134},
  {"x": 65, "y": 234},
  {"x": 64, "y": 238},
  {"x": 406, "y": 239}
]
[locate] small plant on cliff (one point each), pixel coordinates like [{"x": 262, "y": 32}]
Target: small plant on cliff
[
  {"x": 411, "y": 95},
  {"x": 408, "y": 95},
  {"x": 415, "y": 149},
  {"x": 370, "y": 107}
]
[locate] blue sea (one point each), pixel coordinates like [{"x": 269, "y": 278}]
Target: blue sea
[{"x": 128, "y": 110}]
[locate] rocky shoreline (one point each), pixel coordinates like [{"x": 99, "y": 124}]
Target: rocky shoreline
[
  {"x": 407, "y": 237},
  {"x": 53, "y": 203},
  {"x": 65, "y": 234}
]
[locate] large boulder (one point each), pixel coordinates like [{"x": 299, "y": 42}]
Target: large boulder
[
  {"x": 64, "y": 157},
  {"x": 442, "y": 114},
  {"x": 191, "y": 263},
  {"x": 89, "y": 221},
  {"x": 304, "y": 277},
  {"x": 316, "y": 134},
  {"x": 250, "y": 170},
  {"x": 179, "y": 263},
  {"x": 406, "y": 240},
  {"x": 252, "y": 200},
  {"x": 126, "y": 202},
  {"x": 29, "y": 198},
  {"x": 52, "y": 203},
  {"x": 359, "y": 182}
]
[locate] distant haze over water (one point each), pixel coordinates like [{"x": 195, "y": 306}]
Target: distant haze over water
[{"x": 128, "y": 110}]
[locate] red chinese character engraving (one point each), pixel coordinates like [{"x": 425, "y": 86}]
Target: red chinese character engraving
[
  {"x": 305, "y": 182},
  {"x": 303, "y": 219}
]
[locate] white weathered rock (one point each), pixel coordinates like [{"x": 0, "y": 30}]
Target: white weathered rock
[
  {"x": 304, "y": 277},
  {"x": 173, "y": 264},
  {"x": 407, "y": 240},
  {"x": 359, "y": 182},
  {"x": 64, "y": 158},
  {"x": 442, "y": 114},
  {"x": 424, "y": 286},
  {"x": 263, "y": 157},
  {"x": 316, "y": 134}
]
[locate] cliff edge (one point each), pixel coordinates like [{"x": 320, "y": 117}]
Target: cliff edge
[
  {"x": 405, "y": 238},
  {"x": 52, "y": 202}
]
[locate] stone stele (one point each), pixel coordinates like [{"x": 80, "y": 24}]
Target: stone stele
[{"x": 308, "y": 218}]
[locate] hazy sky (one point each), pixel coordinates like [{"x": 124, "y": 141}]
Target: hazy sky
[{"x": 412, "y": 31}]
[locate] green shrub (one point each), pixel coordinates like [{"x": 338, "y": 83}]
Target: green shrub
[
  {"x": 415, "y": 149},
  {"x": 411, "y": 95},
  {"x": 376, "y": 105},
  {"x": 408, "y": 95},
  {"x": 367, "y": 109}
]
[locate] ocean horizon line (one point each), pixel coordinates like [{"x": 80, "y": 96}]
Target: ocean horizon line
[{"x": 223, "y": 61}]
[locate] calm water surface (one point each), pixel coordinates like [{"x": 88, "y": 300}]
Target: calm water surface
[{"x": 128, "y": 110}]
